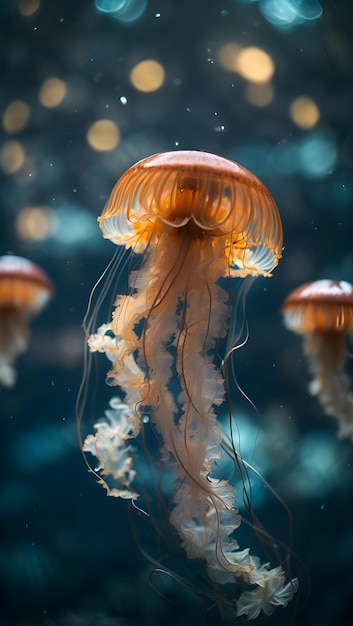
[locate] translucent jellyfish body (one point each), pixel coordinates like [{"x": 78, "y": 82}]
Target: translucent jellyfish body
[
  {"x": 195, "y": 219},
  {"x": 322, "y": 312},
  {"x": 24, "y": 291}
]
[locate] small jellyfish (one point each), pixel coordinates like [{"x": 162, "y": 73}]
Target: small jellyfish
[
  {"x": 24, "y": 291},
  {"x": 197, "y": 221},
  {"x": 322, "y": 312}
]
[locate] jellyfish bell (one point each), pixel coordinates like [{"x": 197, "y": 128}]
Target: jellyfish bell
[
  {"x": 24, "y": 291},
  {"x": 199, "y": 195},
  {"x": 194, "y": 218},
  {"x": 324, "y": 306},
  {"x": 322, "y": 312}
]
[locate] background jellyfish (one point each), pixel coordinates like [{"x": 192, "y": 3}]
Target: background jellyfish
[
  {"x": 195, "y": 218},
  {"x": 322, "y": 312},
  {"x": 24, "y": 291}
]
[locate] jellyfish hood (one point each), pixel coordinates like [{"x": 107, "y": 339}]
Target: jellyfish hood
[{"x": 202, "y": 192}]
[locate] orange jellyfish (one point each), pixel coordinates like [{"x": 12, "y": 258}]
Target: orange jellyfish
[
  {"x": 24, "y": 290},
  {"x": 195, "y": 219},
  {"x": 322, "y": 312}
]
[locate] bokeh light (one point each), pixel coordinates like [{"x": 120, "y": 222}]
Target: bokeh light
[
  {"x": 28, "y": 7},
  {"x": 12, "y": 157},
  {"x": 308, "y": 9},
  {"x": 126, "y": 11},
  {"x": 285, "y": 14},
  {"x": 318, "y": 154},
  {"x": 52, "y": 92},
  {"x": 15, "y": 116},
  {"x": 35, "y": 223},
  {"x": 259, "y": 94},
  {"x": 147, "y": 75},
  {"x": 304, "y": 112},
  {"x": 318, "y": 467},
  {"x": 280, "y": 13},
  {"x": 228, "y": 56},
  {"x": 56, "y": 230},
  {"x": 255, "y": 65},
  {"x": 103, "y": 135},
  {"x": 131, "y": 11},
  {"x": 109, "y": 6}
]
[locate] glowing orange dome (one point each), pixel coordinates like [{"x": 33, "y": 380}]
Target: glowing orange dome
[{"x": 199, "y": 194}]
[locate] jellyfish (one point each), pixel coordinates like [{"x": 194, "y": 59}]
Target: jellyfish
[
  {"x": 24, "y": 291},
  {"x": 195, "y": 219},
  {"x": 322, "y": 312}
]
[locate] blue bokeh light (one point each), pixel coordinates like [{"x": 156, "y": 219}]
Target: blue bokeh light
[
  {"x": 131, "y": 11},
  {"x": 109, "y": 6},
  {"x": 307, "y": 9},
  {"x": 278, "y": 12},
  {"x": 318, "y": 155},
  {"x": 313, "y": 156},
  {"x": 126, "y": 11},
  {"x": 284, "y": 14}
]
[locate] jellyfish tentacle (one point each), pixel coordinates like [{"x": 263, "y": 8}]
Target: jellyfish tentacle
[
  {"x": 14, "y": 336},
  {"x": 110, "y": 445},
  {"x": 327, "y": 356},
  {"x": 182, "y": 319}
]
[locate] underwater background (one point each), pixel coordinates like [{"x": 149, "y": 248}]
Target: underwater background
[{"x": 267, "y": 84}]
